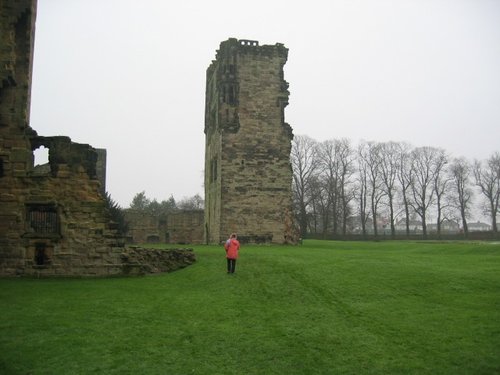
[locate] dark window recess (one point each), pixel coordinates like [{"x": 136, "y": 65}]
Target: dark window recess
[
  {"x": 43, "y": 219},
  {"x": 153, "y": 239},
  {"x": 40, "y": 254},
  {"x": 1, "y": 168},
  {"x": 232, "y": 97},
  {"x": 214, "y": 170},
  {"x": 223, "y": 94}
]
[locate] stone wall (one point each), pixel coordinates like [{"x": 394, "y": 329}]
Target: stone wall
[
  {"x": 185, "y": 227},
  {"x": 248, "y": 175},
  {"x": 53, "y": 218},
  {"x": 180, "y": 227},
  {"x": 141, "y": 261},
  {"x": 17, "y": 22},
  {"x": 144, "y": 227}
]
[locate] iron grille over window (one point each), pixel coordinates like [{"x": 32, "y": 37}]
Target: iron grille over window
[{"x": 43, "y": 219}]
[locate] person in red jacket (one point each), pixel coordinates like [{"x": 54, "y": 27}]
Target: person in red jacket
[{"x": 232, "y": 245}]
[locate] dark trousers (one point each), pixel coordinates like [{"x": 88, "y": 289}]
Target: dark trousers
[{"x": 231, "y": 265}]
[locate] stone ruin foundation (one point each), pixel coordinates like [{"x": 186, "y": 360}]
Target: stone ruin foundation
[{"x": 53, "y": 218}]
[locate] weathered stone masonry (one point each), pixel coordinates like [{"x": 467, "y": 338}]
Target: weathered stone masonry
[
  {"x": 53, "y": 219},
  {"x": 181, "y": 227},
  {"x": 248, "y": 175}
]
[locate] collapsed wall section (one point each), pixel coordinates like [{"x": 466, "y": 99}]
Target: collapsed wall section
[{"x": 53, "y": 217}]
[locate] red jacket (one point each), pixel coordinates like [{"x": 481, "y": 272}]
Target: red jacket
[{"x": 232, "y": 246}]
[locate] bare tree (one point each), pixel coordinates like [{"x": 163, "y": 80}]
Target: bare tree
[
  {"x": 195, "y": 202},
  {"x": 389, "y": 159},
  {"x": 304, "y": 164},
  {"x": 405, "y": 178},
  {"x": 345, "y": 157},
  {"x": 319, "y": 206},
  {"x": 362, "y": 189},
  {"x": 487, "y": 175},
  {"x": 460, "y": 171},
  {"x": 336, "y": 160},
  {"x": 424, "y": 169},
  {"x": 370, "y": 155},
  {"x": 329, "y": 172},
  {"x": 441, "y": 184}
]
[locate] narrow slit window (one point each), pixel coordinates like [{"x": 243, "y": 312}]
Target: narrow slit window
[
  {"x": 232, "y": 96},
  {"x": 214, "y": 170}
]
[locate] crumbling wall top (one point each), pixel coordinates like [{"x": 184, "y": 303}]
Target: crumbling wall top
[
  {"x": 234, "y": 46},
  {"x": 251, "y": 46},
  {"x": 63, "y": 151}
]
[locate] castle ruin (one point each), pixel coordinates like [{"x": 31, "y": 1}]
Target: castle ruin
[
  {"x": 53, "y": 218},
  {"x": 248, "y": 175}
]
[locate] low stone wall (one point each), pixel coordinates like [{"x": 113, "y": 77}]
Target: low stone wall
[
  {"x": 125, "y": 261},
  {"x": 141, "y": 261}
]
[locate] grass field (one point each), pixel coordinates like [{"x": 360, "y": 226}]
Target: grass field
[{"x": 321, "y": 308}]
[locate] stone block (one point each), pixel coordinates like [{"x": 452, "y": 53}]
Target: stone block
[
  {"x": 6, "y": 197},
  {"x": 20, "y": 155}
]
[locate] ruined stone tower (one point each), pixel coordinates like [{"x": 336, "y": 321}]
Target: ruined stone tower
[{"x": 248, "y": 176}]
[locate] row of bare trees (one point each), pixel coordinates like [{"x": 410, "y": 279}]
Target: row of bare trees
[{"x": 340, "y": 188}]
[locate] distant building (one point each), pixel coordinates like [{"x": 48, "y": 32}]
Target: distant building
[
  {"x": 478, "y": 227},
  {"x": 415, "y": 226},
  {"x": 447, "y": 226},
  {"x": 355, "y": 225}
]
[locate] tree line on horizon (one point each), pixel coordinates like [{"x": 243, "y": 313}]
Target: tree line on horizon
[
  {"x": 340, "y": 188},
  {"x": 140, "y": 202},
  {"x": 336, "y": 183}
]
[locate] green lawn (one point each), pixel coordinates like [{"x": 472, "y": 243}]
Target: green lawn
[{"x": 321, "y": 308}]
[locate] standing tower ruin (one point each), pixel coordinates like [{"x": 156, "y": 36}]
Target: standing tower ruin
[{"x": 248, "y": 175}]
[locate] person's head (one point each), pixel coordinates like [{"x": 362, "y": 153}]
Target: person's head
[{"x": 233, "y": 235}]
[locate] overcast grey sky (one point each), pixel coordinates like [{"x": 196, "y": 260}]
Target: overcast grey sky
[{"x": 129, "y": 76}]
